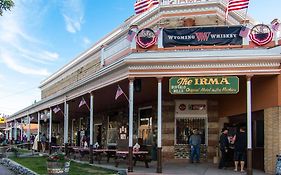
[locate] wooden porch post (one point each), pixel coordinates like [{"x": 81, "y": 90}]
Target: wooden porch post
[
  {"x": 15, "y": 131},
  {"x": 66, "y": 106},
  {"x": 249, "y": 127},
  {"x": 159, "y": 127},
  {"x": 91, "y": 127},
  {"x": 28, "y": 131},
  {"x": 38, "y": 129},
  {"x": 50, "y": 131},
  {"x": 21, "y": 129},
  {"x": 131, "y": 109}
]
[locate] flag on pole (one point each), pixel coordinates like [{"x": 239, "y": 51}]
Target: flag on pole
[
  {"x": 143, "y": 5},
  {"x": 131, "y": 34},
  {"x": 56, "y": 109},
  {"x": 275, "y": 25},
  {"x": 244, "y": 32},
  {"x": 236, "y": 5},
  {"x": 82, "y": 102},
  {"x": 118, "y": 92}
]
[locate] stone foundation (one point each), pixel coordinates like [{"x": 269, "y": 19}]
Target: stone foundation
[{"x": 272, "y": 138}]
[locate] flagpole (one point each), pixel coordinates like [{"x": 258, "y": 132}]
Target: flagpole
[
  {"x": 60, "y": 110},
  {"x": 86, "y": 104},
  {"x": 126, "y": 97},
  {"x": 246, "y": 15}
]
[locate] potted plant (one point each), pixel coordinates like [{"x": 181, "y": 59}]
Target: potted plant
[{"x": 58, "y": 163}]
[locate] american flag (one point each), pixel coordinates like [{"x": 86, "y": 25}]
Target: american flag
[
  {"x": 143, "y": 5},
  {"x": 82, "y": 102},
  {"x": 275, "y": 25},
  {"x": 118, "y": 92},
  {"x": 244, "y": 32},
  {"x": 56, "y": 109},
  {"x": 236, "y": 5},
  {"x": 131, "y": 35}
]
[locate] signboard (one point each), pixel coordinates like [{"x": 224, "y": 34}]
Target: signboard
[
  {"x": 204, "y": 85},
  {"x": 2, "y": 120},
  {"x": 202, "y": 36}
]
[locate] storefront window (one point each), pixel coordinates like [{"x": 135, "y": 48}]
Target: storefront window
[{"x": 185, "y": 126}]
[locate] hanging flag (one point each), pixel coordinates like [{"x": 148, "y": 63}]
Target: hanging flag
[
  {"x": 143, "y": 5},
  {"x": 82, "y": 102},
  {"x": 131, "y": 35},
  {"x": 244, "y": 32},
  {"x": 118, "y": 92},
  {"x": 236, "y": 5},
  {"x": 56, "y": 109},
  {"x": 275, "y": 25}
]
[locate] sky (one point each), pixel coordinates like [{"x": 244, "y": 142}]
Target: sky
[{"x": 38, "y": 37}]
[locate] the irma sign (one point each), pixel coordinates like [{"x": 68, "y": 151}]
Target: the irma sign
[{"x": 204, "y": 85}]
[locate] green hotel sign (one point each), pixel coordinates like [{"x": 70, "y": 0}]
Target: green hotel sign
[{"x": 204, "y": 85}]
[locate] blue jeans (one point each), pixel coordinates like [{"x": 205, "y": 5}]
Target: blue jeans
[{"x": 195, "y": 153}]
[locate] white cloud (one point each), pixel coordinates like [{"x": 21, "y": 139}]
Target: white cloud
[
  {"x": 11, "y": 63},
  {"x": 20, "y": 49},
  {"x": 73, "y": 14}
]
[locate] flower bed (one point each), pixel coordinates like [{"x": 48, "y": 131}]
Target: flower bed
[{"x": 15, "y": 167}]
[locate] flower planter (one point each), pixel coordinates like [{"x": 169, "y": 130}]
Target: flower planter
[{"x": 58, "y": 167}]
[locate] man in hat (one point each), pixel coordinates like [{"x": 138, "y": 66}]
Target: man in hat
[
  {"x": 224, "y": 145},
  {"x": 195, "y": 142}
]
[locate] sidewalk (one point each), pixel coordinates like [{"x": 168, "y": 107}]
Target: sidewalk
[
  {"x": 182, "y": 167},
  {"x": 5, "y": 171}
]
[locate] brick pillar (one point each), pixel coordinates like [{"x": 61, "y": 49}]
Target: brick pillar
[
  {"x": 272, "y": 138},
  {"x": 213, "y": 129},
  {"x": 168, "y": 128}
]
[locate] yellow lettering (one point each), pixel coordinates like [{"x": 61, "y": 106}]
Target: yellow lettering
[
  {"x": 184, "y": 81},
  {"x": 213, "y": 81},
  {"x": 224, "y": 81},
  {"x": 203, "y": 81}
]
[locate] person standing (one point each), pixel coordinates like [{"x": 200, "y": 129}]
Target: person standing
[
  {"x": 195, "y": 142},
  {"x": 224, "y": 146},
  {"x": 35, "y": 143},
  {"x": 240, "y": 147},
  {"x": 43, "y": 142}
]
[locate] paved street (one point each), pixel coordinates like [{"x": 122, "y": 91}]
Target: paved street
[{"x": 5, "y": 171}]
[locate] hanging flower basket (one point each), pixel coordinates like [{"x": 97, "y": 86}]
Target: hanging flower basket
[{"x": 58, "y": 164}]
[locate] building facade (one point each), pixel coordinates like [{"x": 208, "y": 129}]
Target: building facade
[{"x": 183, "y": 70}]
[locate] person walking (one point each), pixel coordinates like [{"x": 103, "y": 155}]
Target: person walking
[
  {"x": 240, "y": 147},
  {"x": 224, "y": 146},
  {"x": 195, "y": 142}
]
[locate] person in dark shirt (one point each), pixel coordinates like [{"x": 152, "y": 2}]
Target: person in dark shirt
[
  {"x": 240, "y": 146},
  {"x": 224, "y": 145},
  {"x": 195, "y": 142}
]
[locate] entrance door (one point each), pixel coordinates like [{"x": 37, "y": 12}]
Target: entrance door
[
  {"x": 257, "y": 134},
  {"x": 190, "y": 115}
]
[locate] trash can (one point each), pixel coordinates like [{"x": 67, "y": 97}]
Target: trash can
[{"x": 278, "y": 165}]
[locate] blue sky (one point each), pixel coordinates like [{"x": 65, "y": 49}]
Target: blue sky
[{"x": 40, "y": 36}]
